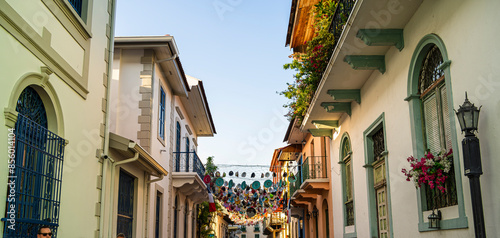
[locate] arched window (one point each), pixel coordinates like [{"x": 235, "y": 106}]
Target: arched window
[
  {"x": 435, "y": 113},
  {"x": 39, "y": 155},
  {"x": 433, "y": 127},
  {"x": 347, "y": 180}
]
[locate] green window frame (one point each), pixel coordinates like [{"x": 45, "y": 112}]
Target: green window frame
[
  {"x": 376, "y": 155},
  {"x": 419, "y": 131},
  {"x": 347, "y": 185}
]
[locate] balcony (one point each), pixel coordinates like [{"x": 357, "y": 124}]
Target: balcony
[
  {"x": 312, "y": 180},
  {"x": 187, "y": 174},
  {"x": 344, "y": 9},
  {"x": 362, "y": 40},
  {"x": 274, "y": 223},
  {"x": 188, "y": 162}
]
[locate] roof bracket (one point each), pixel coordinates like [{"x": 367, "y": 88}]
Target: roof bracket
[
  {"x": 346, "y": 94},
  {"x": 382, "y": 37},
  {"x": 366, "y": 62}
]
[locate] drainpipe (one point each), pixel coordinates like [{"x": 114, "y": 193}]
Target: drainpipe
[
  {"x": 167, "y": 59},
  {"x": 105, "y": 155},
  {"x": 113, "y": 168},
  {"x": 155, "y": 180}
]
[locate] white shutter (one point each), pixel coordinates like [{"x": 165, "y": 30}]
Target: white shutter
[
  {"x": 431, "y": 123},
  {"x": 446, "y": 118}
]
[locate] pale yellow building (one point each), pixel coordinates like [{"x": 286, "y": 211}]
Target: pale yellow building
[{"x": 55, "y": 66}]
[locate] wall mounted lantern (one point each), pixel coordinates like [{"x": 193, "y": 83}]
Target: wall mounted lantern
[{"x": 434, "y": 220}]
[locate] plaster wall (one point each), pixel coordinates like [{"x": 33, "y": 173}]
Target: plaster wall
[
  {"x": 475, "y": 68},
  {"x": 78, "y": 119}
]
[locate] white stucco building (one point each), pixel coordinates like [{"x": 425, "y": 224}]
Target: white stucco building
[
  {"x": 157, "y": 115},
  {"x": 398, "y": 70}
]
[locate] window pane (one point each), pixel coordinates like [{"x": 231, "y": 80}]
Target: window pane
[
  {"x": 348, "y": 180},
  {"x": 446, "y": 118},
  {"x": 432, "y": 124}
]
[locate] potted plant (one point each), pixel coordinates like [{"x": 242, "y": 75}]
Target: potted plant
[{"x": 431, "y": 169}]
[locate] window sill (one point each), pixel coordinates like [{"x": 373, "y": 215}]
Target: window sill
[{"x": 456, "y": 223}]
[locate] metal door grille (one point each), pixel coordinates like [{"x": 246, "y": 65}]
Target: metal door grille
[
  {"x": 38, "y": 179},
  {"x": 125, "y": 217}
]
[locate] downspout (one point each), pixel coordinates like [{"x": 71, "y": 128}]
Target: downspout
[
  {"x": 113, "y": 168},
  {"x": 105, "y": 153},
  {"x": 167, "y": 59},
  {"x": 156, "y": 180}
]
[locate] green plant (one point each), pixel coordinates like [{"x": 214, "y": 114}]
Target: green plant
[
  {"x": 210, "y": 167},
  {"x": 204, "y": 221},
  {"x": 311, "y": 64}
]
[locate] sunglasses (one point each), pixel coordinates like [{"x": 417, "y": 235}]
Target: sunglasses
[{"x": 46, "y": 234}]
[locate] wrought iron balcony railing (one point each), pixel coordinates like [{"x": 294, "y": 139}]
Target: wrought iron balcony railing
[
  {"x": 188, "y": 162},
  {"x": 339, "y": 19},
  {"x": 314, "y": 167},
  {"x": 295, "y": 185}
]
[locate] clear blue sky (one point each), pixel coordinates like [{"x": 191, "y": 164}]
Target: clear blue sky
[{"x": 237, "y": 48}]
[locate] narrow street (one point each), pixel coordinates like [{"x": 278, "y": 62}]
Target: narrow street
[{"x": 249, "y": 119}]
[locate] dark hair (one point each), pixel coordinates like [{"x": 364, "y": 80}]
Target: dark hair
[
  {"x": 43, "y": 227},
  {"x": 120, "y": 235}
]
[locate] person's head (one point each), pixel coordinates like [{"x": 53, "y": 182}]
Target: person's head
[
  {"x": 44, "y": 232},
  {"x": 121, "y": 235}
]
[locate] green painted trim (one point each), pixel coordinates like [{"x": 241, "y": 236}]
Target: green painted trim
[
  {"x": 411, "y": 97},
  {"x": 445, "y": 65},
  {"x": 337, "y": 107},
  {"x": 346, "y": 139},
  {"x": 321, "y": 132},
  {"x": 366, "y": 62},
  {"x": 351, "y": 235},
  {"x": 326, "y": 124},
  {"x": 460, "y": 222},
  {"x": 346, "y": 94},
  {"x": 372, "y": 206},
  {"x": 382, "y": 37},
  {"x": 417, "y": 127}
]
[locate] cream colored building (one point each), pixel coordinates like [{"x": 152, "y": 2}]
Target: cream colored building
[
  {"x": 398, "y": 70},
  {"x": 157, "y": 115},
  {"x": 54, "y": 62}
]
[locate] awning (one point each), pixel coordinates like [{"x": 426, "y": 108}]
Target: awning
[{"x": 128, "y": 148}]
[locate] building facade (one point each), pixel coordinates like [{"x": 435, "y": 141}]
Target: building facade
[
  {"x": 157, "y": 115},
  {"x": 55, "y": 61},
  {"x": 398, "y": 71}
]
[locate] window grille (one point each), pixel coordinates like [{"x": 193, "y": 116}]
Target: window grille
[
  {"x": 378, "y": 144},
  {"x": 39, "y": 155},
  {"x": 125, "y": 216},
  {"x": 430, "y": 73}
]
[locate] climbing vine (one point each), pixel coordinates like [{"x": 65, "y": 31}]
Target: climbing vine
[{"x": 311, "y": 64}]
